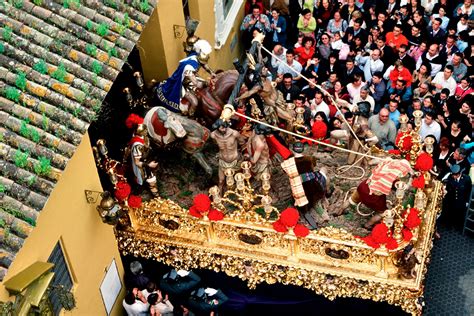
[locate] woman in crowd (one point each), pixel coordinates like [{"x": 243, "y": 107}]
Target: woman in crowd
[
  {"x": 463, "y": 89},
  {"x": 442, "y": 15},
  {"x": 336, "y": 24},
  {"x": 354, "y": 87},
  {"x": 325, "y": 10},
  {"x": 441, "y": 156},
  {"x": 422, "y": 75},
  {"x": 324, "y": 46},
  {"x": 306, "y": 51},
  {"x": 307, "y": 23}
]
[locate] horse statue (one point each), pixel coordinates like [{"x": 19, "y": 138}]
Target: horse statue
[
  {"x": 210, "y": 99},
  {"x": 165, "y": 127}
]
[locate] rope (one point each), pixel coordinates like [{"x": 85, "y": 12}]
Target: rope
[
  {"x": 320, "y": 88},
  {"x": 304, "y": 137}
]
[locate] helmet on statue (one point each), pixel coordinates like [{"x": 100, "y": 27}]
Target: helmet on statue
[{"x": 203, "y": 50}]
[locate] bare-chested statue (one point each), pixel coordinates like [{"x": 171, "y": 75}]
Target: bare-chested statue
[
  {"x": 228, "y": 140},
  {"x": 258, "y": 150},
  {"x": 275, "y": 105}
]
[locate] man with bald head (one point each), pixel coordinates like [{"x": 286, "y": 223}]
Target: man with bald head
[{"x": 383, "y": 128}]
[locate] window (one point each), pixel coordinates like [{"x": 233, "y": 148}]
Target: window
[
  {"x": 225, "y": 11},
  {"x": 62, "y": 276}
]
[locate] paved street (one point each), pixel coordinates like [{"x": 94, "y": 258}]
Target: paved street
[{"x": 450, "y": 280}]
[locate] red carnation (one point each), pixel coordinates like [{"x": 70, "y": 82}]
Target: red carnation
[
  {"x": 134, "y": 201},
  {"x": 380, "y": 233},
  {"x": 194, "y": 212},
  {"x": 405, "y": 144},
  {"x": 289, "y": 217},
  {"x": 279, "y": 227},
  {"x": 215, "y": 215},
  {"x": 391, "y": 243},
  {"x": 202, "y": 202},
  {"x": 424, "y": 162},
  {"x": 370, "y": 242},
  {"x": 319, "y": 130},
  {"x": 133, "y": 120},
  {"x": 407, "y": 234},
  {"x": 413, "y": 219},
  {"x": 122, "y": 191},
  {"x": 419, "y": 182},
  {"x": 301, "y": 231}
]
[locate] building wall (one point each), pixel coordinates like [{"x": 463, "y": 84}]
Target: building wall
[
  {"x": 160, "y": 51},
  {"x": 88, "y": 244}
]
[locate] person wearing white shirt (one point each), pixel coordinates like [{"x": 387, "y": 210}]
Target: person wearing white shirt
[
  {"x": 430, "y": 127},
  {"x": 320, "y": 105},
  {"x": 363, "y": 96},
  {"x": 445, "y": 80},
  {"x": 371, "y": 64},
  {"x": 135, "y": 303}
]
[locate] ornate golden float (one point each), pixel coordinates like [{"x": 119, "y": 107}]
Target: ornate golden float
[{"x": 329, "y": 261}]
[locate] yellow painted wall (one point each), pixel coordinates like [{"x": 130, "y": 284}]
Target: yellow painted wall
[
  {"x": 89, "y": 244},
  {"x": 160, "y": 51}
]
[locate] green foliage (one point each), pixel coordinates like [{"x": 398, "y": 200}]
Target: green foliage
[
  {"x": 43, "y": 166},
  {"x": 71, "y": 4},
  {"x": 65, "y": 297},
  {"x": 29, "y": 132},
  {"x": 45, "y": 122},
  {"x": 91, "y": 49},
  {"x": 90, "y": 26},
  {"x": 38, "y": 2},
  {"x": 123, "y": 24},
  {"x": 111, "y": 3},
  {"x": 20, "y": 81},
  {"x": 21, "y": 158},
  {"x": 8, "y": 208},
  {"x": 103, "y": 29},
  {"x": 7, "y": 33},
  {"x": 60, "y": 73},
  {"x": 16, "y": 3},
  {"x": 77, "y": 111},
  {"x": 41, "y": 67},
  {"x": 12, "y": 94},
  {"x": 96, "y": 67},
  {"x": 31, "y": 180},
  {"x": 349, "y": 216},
  {"x": 144, "y": 6},
  {"x": 185, "y": 193},
  {"x": 112, "y": 52},
  {"x": 2, "y": 225},
  {"x": 2, "y": 188},
  {"x": 2, "y": 48}
]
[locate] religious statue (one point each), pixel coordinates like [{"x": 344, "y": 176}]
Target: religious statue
[
  {"x": 138, "y": 150},
  {"x": 177, "y": 92}
]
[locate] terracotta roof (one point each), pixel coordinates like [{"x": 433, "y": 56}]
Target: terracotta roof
[{"x": 58, "y": 60}]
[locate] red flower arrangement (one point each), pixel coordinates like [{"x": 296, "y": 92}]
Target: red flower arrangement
[
  {"x": 289, "y": 218},
  {"x": 419, "y": 182},
  {"x": 380, "y": 235},
  {"x": 404, "y": 141},
  {"x": 202, "y": 202},
  {"x": 413, "y": 219},
  {"x": 133, "y": 120},
  {"x": 279, "y": 227},
  {"x": 424, "y": 162},
  {"x": 122, "y": 191},
  {"x": 407, "y": 234},
  {"x": 319, "y": 130},
  {"x": 134, "y": 201},
  {"x": 202, "y": 206}
]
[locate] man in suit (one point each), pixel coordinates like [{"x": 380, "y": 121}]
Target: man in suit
[
  {"x": 391, "y": 7},
  {"x": 406, "y": 60},
  {"x": 179, "y": 283},
  {"x": 349, "y": 72},
  {"x": 388, "y": 56},
  {"x": 458, "y": 193},
  {"x": 357, "y": 29},
  {"x": 436, "y": 35}
]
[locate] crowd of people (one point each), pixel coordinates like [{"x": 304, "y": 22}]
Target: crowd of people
[
  {"x": 379, "y": 60},
  {"x": 177, "y": 292}
]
